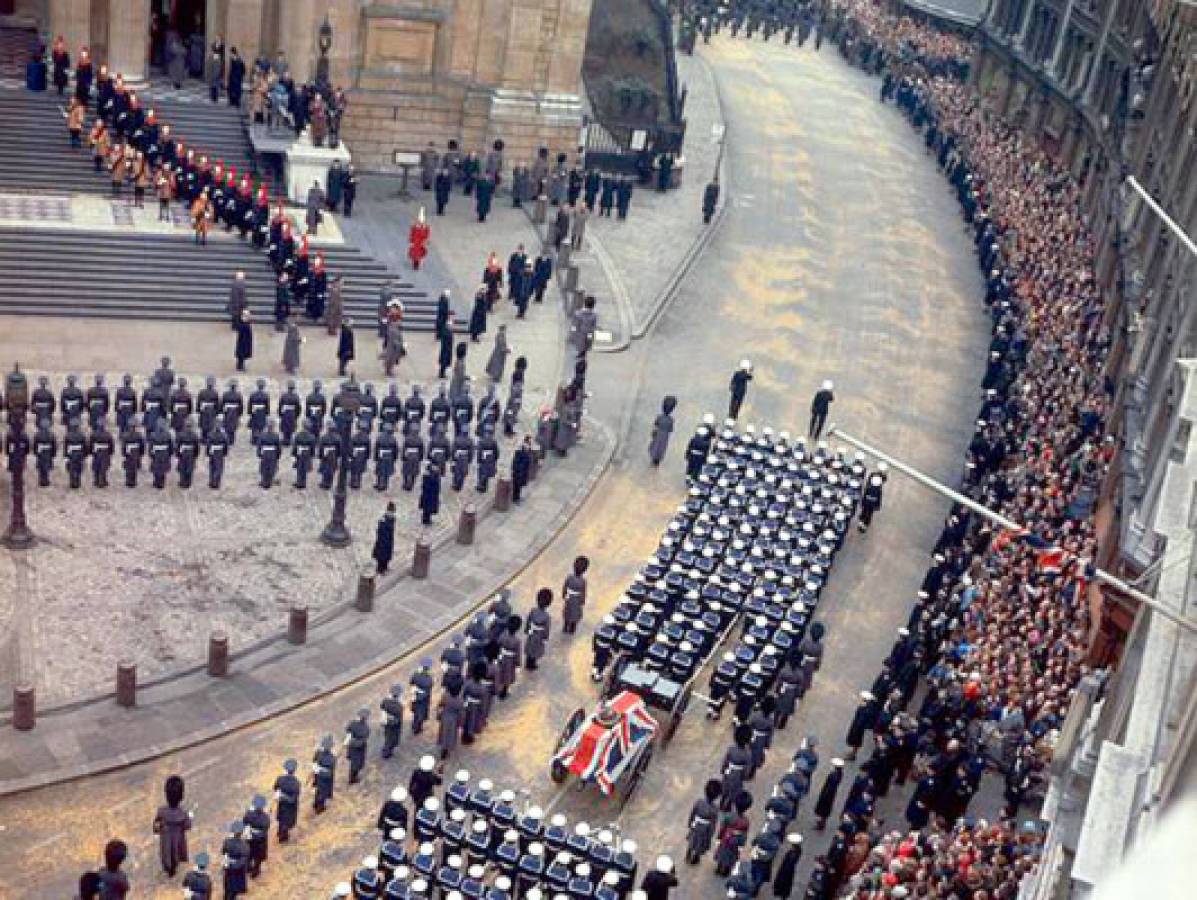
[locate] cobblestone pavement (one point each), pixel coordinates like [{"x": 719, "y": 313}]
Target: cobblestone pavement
[
  {"x": 840, "y": 257},
  {"x": 154, "y": 572}
]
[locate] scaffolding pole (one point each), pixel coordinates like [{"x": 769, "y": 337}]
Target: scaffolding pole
[{"x": 997, "y": 518}]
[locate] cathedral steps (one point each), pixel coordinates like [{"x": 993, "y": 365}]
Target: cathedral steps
[
  {"x": 36, "y": 155},
  {"x": 159, "y": 277}
]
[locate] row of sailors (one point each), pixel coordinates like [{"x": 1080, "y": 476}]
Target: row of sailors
[
  {"x": 171, "y": 400},
  {"x": 679, "y": 640}
]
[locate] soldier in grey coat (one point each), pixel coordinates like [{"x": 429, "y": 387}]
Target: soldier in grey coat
[
  {"x": 291, "y": 345},
  {"x": 498, "y": 357},
  {"x": 573, "y": 595},
  {"x": 736, "y": 763},
  {"x": 662, "y": 429},
  {"x": 393, "y": 350},
  {"x": 449, "y": 714},
  {"x": 459, "y": 379},
  {"x": 703, "y": 817},
  {"x": 510, "y": 650},
  {"x": 539, "y": 626}
]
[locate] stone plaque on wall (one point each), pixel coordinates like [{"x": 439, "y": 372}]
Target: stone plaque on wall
[{"x": 403, "y": 46}]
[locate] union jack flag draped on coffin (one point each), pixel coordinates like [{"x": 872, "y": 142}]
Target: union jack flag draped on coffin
[{"x": 609, "y": 741}]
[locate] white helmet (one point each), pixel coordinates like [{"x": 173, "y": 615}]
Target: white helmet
[
  {"x": 399, "y": 794},
  {"x": 427, "y": 763},
  {"x": 746, "y": 365},
  {"x": 827, "y": 385},
  {"x": 664, "y": 864}
]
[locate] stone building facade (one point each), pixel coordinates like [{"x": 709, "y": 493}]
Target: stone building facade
[{"x": 416, "y": 70}]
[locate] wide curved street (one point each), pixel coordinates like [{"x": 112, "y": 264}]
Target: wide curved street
[{"x": 842, "y": 257}]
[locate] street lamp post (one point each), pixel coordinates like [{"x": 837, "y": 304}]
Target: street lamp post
[
  {"x": 346, "y": 403},
  {"x": 17, "y": 536}
]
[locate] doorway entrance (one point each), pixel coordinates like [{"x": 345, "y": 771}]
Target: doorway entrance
[{"x": 183, "y": 21}]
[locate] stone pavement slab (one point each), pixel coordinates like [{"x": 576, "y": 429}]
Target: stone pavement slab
[
  {"x": 641, "y": 255},
  {"x": 98, "y": 736}
]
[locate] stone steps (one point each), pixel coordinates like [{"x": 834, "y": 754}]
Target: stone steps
[
  {"x": 161, "y": 277},
  {"x": 37, "y": 157}
]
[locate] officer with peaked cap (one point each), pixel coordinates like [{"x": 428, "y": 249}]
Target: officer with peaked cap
[
  {"x": 258, "y": 405},
  {"x": 125, "y": 403},
  {"x": 324, "y": 771},
  {"x": 187, "y": 450},
  {"x": 392, "y": 720},
  {"x": 235, "y": 859},
  {"x": 181, "y": 405},
  {"x": 421, "y": 695},
  {"x": 269, "y": 450},
  {"x": 98, "y": 402},
  {"x": 289, "y": 406},
  {"x": 257, "y": 825},
  {"x": 287, "y": 789},
  {"x": 71, "y": 401},
  {"x": 197, "y": 884},
  {"x": 207, "y": 405},
  {"x": 74, "y": 451},
  {"x": 101, "y": 446},
  {"x": 357, "y": 735},
  {"x": 232, "y": 406}
]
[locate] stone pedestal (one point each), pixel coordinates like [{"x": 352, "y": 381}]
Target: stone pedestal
[
  {"x": 126, "y": 683},
  {"x": 467, "y": 524},
  {"x": 307, "y": 163},
  {"x": 503, "y": 494},
  {"x": 364, "y": 602},
  {"x": 24, "y": 707},
  {"x": 218, "y": 654},
  {"x": 421, "y": 557},
  {"x": 297, "y": 625}
]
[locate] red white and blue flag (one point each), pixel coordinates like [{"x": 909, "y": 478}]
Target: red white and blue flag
[{"x": 607, "y": 744}]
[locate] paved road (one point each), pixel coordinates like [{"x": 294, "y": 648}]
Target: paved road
[{"x": 843, "y": 257}]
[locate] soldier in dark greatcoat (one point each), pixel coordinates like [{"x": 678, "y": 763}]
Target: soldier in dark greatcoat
[
  {"x": 74, "y": 452},
  {"x": 324, "y": 770},
  {"x": 287, "y": 789},
  {"x": 357, "y": 737},
  {"x": 704, "y": 815},
  {"x": 132, "y": 451}
]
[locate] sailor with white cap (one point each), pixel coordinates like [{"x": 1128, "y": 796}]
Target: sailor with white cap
[
  {"x": 660, "y": 881},
  {"x": 820, "y": 405},
  {"x": 738, "y": 388},
  {"x": 423, "y": 781},
  {"x": 394, "y": 812},
  {"x": 366, "y": 881},
  {"x": 862, "y": 720}
]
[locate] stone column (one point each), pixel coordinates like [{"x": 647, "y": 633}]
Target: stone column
[
  {"x": 1061, "y": 37},
  {"x": 129, "y": 40},
  {"x": 72, "y": 19},
  {"x": 243, "y": 30},
  {"x": 297, "y": 37}
]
